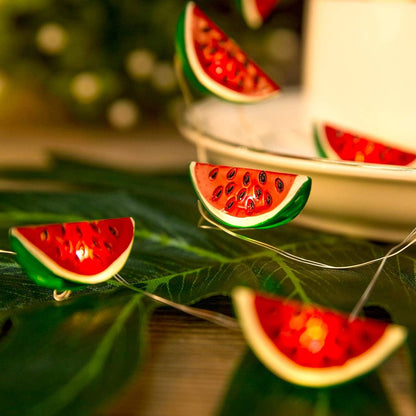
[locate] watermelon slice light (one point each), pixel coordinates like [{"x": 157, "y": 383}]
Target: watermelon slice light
[
  {"x": 338, "y": 144},
  {"x": 214, "y": 63},
  {"x": 255, "y": 12},
  {"x": 249, "y": 198},
  {"x": 70, "y": 255},
  {"x": 310, "y": 345}
]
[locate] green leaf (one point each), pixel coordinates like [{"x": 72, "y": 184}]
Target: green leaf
[
  {"x": 171, "y": 257},
  {"x": 266, "y": 394},
  {"x": 63, "y": 359}
]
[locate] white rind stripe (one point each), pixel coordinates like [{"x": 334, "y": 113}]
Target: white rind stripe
[{"x": 251, "y": 14}]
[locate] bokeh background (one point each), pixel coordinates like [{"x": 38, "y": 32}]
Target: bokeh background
[{"x": 109, "y": 62}]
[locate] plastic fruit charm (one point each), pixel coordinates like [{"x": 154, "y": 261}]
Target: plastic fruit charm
[
  {"x": 242, "y": 197},
  {"x": 337, "y": 144},
  {"x": 63, "y": 256},
  {"x": 255, "y": 12},
  {"x": 214, "y": 63},
  {"x": 310, "y": 345}
]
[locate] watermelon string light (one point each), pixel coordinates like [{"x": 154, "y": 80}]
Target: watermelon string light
[
  {"x": 210, "y": 62},
  {"x": 69, "y": 256}
]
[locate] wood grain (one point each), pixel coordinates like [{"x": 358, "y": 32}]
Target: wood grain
[{"x": 187, "y": 369}]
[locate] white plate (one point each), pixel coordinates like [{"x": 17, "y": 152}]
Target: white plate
[{"x": 357, "y": 199}]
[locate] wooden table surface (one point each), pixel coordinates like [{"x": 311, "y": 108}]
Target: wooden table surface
[{"x": 186, "y": 371}]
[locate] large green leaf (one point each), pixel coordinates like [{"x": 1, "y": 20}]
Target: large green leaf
[
  {"x": 265, "y": 394},
  {"x": 172, "y": 257}
]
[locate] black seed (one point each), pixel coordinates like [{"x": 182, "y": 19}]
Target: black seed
[
  {"x": 327, "y": 361},
  {"x": 268, "y": 199},
  {"x": 350, "y": 351},
  {"x": 229, "y": 188},
  {"x": 63, "y": 230},
  {"x": 241, "y": 194},
  {"x": 256, "y": 79},
  {"x": 275, "y": 333},
  {"x": 213, "y": 50},
  {"x": 217, "y": 193},
  {"x": 58, "y": 252},
  {"x": 230, "y": 204},
  {"x": 213, "y": 174},
  {"x": 95, "y": 227},
  {"x": 96, "y": 256},
  {"x": 279, "y": 185},
  {"x": 231, "y": 173},
  {"x": 96, "y": 242},
  {"x": 250, "y": 206},
  {"x": 44, "y": 235},
  {"x": 206, "y": 29},
  {"x": 79, "y": 232},
  {"x": 108, "y": 246},
  {"x": 246, "y": 178},
  {"x": 113, "y": 231},
  {"x": 262, "y": 177},
  {"x": 258, "y": 192}
]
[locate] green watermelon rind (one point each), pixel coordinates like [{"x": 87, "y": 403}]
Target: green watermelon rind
[
  {"x": 243, "y": 301},
  {"x": 193, "y": 70},
  {"x": 40, "y": 274},
  {"x": 61, "y": 272},
  {"x": 180, "y": 49},
  {"x": 319, "y": 143},
  {"x": 250, "y": 13},
  {"x": 285, "y": 212}
]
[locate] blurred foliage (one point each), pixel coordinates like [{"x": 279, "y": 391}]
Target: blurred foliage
[{"x": 111, "y": 60}]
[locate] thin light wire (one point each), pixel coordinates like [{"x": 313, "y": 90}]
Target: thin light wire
[
  {"x": 207, "y": 315},
  {"x": 394, "y": 251},
  {"x": 364, "y": 297},
  {"x": 403, "y": 245},
  {"x": 7, "y": 252}
]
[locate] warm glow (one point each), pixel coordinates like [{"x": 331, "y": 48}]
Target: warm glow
[
  {"x": 123, "y": 114},
  {"x": 86, "y": 87},
  {"x": 140, "y": 63},
  {"x": 315, "y": 334},
  {"x": 83, "y": 252},
  {"x": 51, "y": 38}
]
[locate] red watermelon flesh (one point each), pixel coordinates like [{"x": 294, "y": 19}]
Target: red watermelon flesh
[
  {"x": 249, "y": 197},
  {"x": 311, "y": 345},
  {"x": 353, "y": 147},
  {"x": 265, "y": 7},
  {"x": 315, "y": 337},
  {"x": 87, "y": 252},
  {"x": 218, "y": 63}
]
